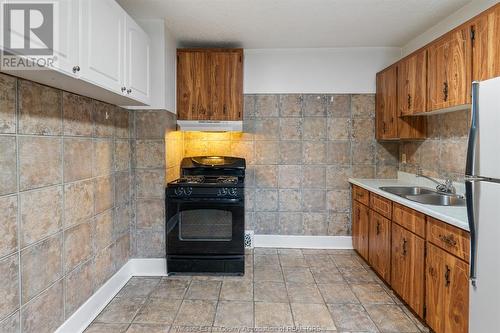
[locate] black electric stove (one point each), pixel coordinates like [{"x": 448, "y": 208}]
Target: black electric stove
[{"x": 206, "y": 216}]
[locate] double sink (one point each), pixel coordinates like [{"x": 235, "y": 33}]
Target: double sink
[{"x": 425, "y": 195}]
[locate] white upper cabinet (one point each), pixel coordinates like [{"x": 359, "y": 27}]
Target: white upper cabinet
[
  {"x": 137, "y": 62},
  {"x": 66, "y": 46},
  {"x": 102, "y": 44}
]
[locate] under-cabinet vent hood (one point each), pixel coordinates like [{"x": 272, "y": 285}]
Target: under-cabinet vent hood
[{"x": 210, "y": 125}]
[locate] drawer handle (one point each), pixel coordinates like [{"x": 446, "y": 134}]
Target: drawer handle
[
  {"x": 449, "y": 240},
  {"x": 405, "y": 249},
  {"x": 447, "y": 276},
  {"x": 409, "y": 101},
  {"x": 445, "y": 91}
]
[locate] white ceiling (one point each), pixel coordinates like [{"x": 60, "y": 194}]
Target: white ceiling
[{"x": 294, "y": 23}]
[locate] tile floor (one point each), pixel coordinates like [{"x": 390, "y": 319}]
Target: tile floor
[{"x": 313, "y": 290}]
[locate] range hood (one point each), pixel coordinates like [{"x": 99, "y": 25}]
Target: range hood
[{"x": 210, "y": 125}]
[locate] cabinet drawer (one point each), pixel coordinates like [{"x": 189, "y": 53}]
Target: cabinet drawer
[
  {"x": 449, "y": 238},
  {"x": 381, "y": 205},
  {"x": 409, "y": 219},
  {"x": 361, "y": 195}
]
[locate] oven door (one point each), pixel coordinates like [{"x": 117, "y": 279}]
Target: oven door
[{"x": 207, "y": 227}]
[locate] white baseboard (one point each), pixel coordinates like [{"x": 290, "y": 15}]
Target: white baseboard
[
  {"x": 80, "y": 320},
  {"x": 303, "y": 242}
]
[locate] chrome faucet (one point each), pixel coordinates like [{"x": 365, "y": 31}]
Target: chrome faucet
[{"x": 446, "y": 187}]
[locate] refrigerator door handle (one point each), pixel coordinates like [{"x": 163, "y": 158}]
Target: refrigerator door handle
[
  {"x": 471, "y": 162},
  {"x": 470, "y": 189}
]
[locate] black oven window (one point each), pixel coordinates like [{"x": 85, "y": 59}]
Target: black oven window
[{"x": 206, "y": 225}]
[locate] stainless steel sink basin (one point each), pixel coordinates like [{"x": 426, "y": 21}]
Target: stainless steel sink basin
[
  {"x": 403, "y": 191},
  {"x": 438, "y": 199},
  {"x": 425, "y": 195}
]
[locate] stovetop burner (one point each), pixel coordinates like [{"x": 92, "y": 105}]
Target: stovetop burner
[
  {"x": 191, "y": 180},
  {"x": 207, "y": 180}
]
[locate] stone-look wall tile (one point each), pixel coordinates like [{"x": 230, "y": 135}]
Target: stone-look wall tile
[
  {"x": 103, "y": 233},
  {"x": 314, "y": 105},
  {"x": 363, "y": 106},
  {"x": 386, "y": 171},
  {"x": 78, "y": 202},
  {"x": 7, "y": 104},
  {"x": 290, "y": 200},
  {"x": 289, "y": 176},
  {"x": 248, "y": 106},
  {"x": 8, "y": 227},
  {"x": 338, "y": 128},
  {"x": 45, "y": 313},
  {"x": 122, "y": 123},
  {"x": 40, "y": 109},
  {"x": 314, "y": 152},
  {"x": 78, "y": 286},
  {"x": 149, "y": 154},
  {"x": 290, "y": 128},
  {"x": 122, "y": 220},
  {"x": 266, "y": 223},
  {"x": 266, "y": 152},
  {"x": 266, "y": 176},
  {"x": 150, "y": 184},
  {"x": 455, "y": 125},
  {"x": 104, "y": 119},
  {"x": 387, "y": 153},
  {"x": 122, "y": 188},
  {"x": 267, "y": 129},
  {"x": 103, "y": 157},
  {"x": 9, "y": 285},
  {"x": 8, "y": 165},
  {"x": 363, "y": 129},
  {"x": 122, "y": 155},
  {"x": 455, "y": 154},
  {"x": 314, "y": 128},
  {"x": 290, "y": 224},
  {"x": 150, "y": 243},
  {"x": 150, "y": 213},
  {"x": 41, "y": 265},
  {"x": 104, "y": 194},
  {"x": 314, "y": 200},
  {"x": 77, "y": 159},
  {"x": 249, "y": 199},
  {"x": 266, "y": 200},
  {"x": 315, "y": 224},
  {"x": 77, "y": 115},
  {"x": 337, "y": 177},
  {"x": 339, "y": 224},
  {"x": 266, "y": 106},
  {"x": 338, "y": 200},
  {"x": 41, "y": 214},
  {"x": 120, "y": 251},
  {"x": 40, "y": 162},
  {"x": 103, "y": 266},
  {"x": 77, "y": 245},
  {"x": 152, "y": 124},
  {"x": 290, "y": 152},
  {"x": 338, "y": 106},
  {"x": 339, "y": 152},
  {"x": 291, "y": 105},
  {"x": 314, "y": 176},
  {"x": 363, "y": 152},
  {"x": 363, "y": 171},
  {"x": 245, "y": 149},
  {"x": 11, "y": 324}
]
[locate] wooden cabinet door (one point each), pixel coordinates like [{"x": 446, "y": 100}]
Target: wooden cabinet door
[
  {"x": 360, "y": 228},
  {"x": 407, "y": 267},
  {"x": 447, "y": 292},
  {"x": 386, "y": 112},
  {"x": 412, "y": 83},
  {"x": 486, "y": 45},
  {"x": 102, "y": 44},
  {"x": 193, "y": 85},
  {"x": 226, "y": 85},
  {"x": 448, "y": 70},
  {"x": 380, "y": 245}
]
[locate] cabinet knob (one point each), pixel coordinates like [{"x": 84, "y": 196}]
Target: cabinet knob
[
  {"x": 76, "y": 69},
  {"x": 129, "y": 91},
  {"x": 124, "y": 89}
]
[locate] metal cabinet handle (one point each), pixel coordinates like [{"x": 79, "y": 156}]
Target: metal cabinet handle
[
  {"x": 447, "y": 276},
  {"x": 129, "y": 91},
  {"x": 445, "y": 91},
  {"x": 124, "y": 89},
  {"x": 378, "y": 228},
  {"x": 76, "y": 69},
  {"x": 449, "y": 240},
  {"x": 409, "y": 101},
  {"x": 224, "y": 109},
  {"x": 405, "y": 249}
]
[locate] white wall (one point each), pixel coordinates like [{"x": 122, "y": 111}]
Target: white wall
[
  {"x": 327, "y": 70},
  {"x": 460, "y": 16}
]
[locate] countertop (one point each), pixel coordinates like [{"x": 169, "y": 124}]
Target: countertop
[{"x": 456, "y": 216}]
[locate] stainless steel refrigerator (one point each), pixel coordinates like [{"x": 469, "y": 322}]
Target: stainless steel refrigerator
[{"x": 483, "y": 206}]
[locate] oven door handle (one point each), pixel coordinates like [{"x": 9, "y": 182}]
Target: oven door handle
[{"x": 204, "y": 200}]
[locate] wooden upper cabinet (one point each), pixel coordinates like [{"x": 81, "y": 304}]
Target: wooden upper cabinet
[
  {"x": 380, "y": 245},
  {"x": 449, "y": 70},
  {"x": 486, "y": 45},
  {"x": 407, "y": 267},
  {"x": 447, "y": 292},
  {"x": 210, "y": 84},
  {"x": 386, "y": 100},
  {"x": 412, "y": 83}
]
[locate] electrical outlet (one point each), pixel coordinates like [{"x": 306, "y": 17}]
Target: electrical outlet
[{"x": 403, "y": 158}]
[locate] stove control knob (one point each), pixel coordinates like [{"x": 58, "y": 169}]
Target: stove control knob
[
  {"x": 189, "y": 191},
  {"x": 183, "y": 191},
  {"x": 222, "y": 192},
  {"x": 233, "y": 191}
]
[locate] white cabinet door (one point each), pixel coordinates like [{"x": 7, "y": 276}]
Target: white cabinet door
[
  {"x": 66, "y": 36},
  {"x": 102, "y": 43},
  {"x": 138, "y": 62}
]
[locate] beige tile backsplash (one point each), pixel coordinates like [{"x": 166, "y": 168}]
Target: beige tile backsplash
[{"x": 61, "y": 232}]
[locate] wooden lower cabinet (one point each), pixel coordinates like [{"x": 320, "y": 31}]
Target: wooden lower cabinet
[
  {"x": 447, "y": 291},
  {"x": 407, "y": 267},
  {"x": 360, "y": 226},
  {"x": 380, "y": 245}
]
